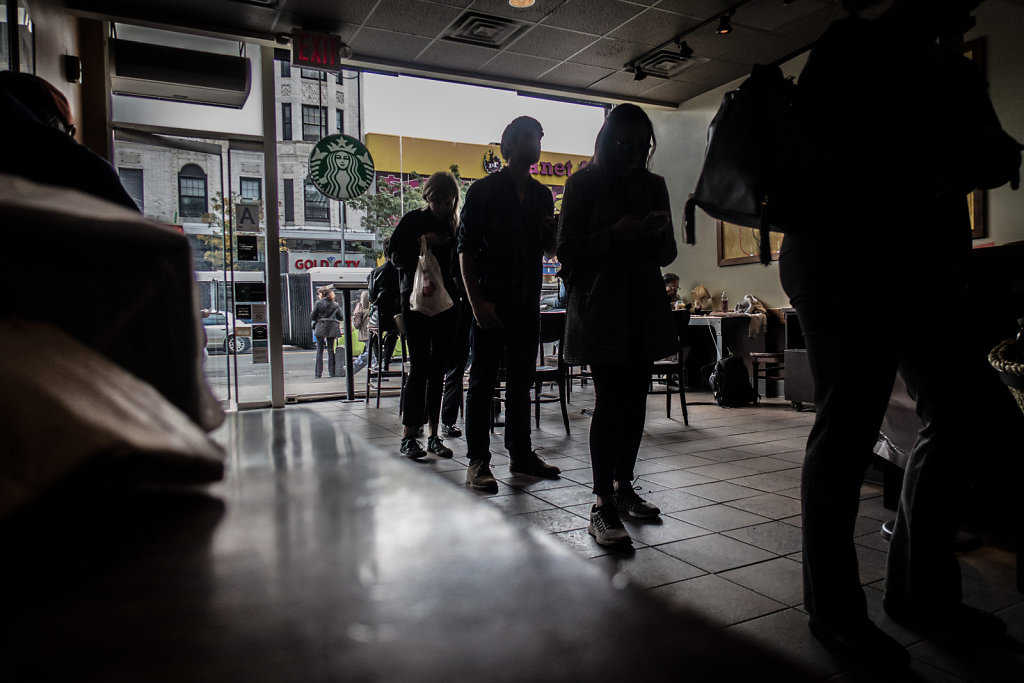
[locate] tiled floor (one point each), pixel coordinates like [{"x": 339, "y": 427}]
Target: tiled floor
[{"x": 727, "y": 544}]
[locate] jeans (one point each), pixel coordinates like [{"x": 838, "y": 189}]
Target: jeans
[
  {"x": 452, "y": 401},
  {"x": 854, "y": 361},
  {"x": 620, "y": 410},
  {"x": 329, "y": 344},
  {"x": 429, "y": 341},
  {"x": 518, "y": 342}
]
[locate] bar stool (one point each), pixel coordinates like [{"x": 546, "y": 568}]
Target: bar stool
[{"x": 767, "y": 366}]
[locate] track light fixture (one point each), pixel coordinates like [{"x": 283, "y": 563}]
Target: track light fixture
[
  {"x": 724, "y": 25},
  {"x": 638, "y": 73},
  {"x": 685, "y": 51}
]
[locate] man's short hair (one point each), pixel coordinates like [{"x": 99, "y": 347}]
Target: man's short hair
[
  {"x": 514, "y": 130},
  {"x": 670, "y": 277}
]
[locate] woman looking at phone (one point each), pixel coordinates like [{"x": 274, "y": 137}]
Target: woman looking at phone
[{"x": 615, "y": 206}]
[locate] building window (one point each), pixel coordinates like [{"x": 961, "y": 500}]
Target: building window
[
  {"x": 286, "y": 69},
  {"x": 303, "y": 244},
  {"x": 338, "y": 78},
  {"x": 339, "y": 116},
  {"x": 314, "y": 75},
  {"x": 250, "y": 189},
  {"x": 316, "y": 203},
  {"x": 131, "y": 179},
  {"x": 286, "y": 121},
  {"x": 191, "y": 191},
  {"x": 314, "y": 122},
  {"x": 289, "y": 200}
]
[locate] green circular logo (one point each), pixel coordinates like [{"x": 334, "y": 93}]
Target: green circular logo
[{"x": 341, "y": 167}]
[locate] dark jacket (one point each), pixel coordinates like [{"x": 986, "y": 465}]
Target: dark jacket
[
  {"x": 615, "y": 306},
  {"x": 404, "y": 251},
  {"x": 326, "y": 318},
  {"x": 508, "y": 238}
]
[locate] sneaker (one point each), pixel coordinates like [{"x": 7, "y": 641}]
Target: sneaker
[
  {"x": 533, "y": 465},
  {"x": 863, "y": 642},
  {"x": 479, "y": 477},
  {"x": 606, "y": 526},
  {"x": 450, "y": 431},
  {"x": 629, "y": 502},
  {"x": 435, "y": 445},
  {"x": 411, "y": 448}
]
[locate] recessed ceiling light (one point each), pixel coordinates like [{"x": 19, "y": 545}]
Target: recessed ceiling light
[{"x": 521, "y": 3}]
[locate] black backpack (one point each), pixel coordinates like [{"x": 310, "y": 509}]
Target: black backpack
[
  {"x": 749, "y": 141},
  {"x": 731, "y": 384},
  {"x": 383, "y": 287}
]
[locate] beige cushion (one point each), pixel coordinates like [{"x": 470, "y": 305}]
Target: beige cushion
[{"x": 64, "y": 406}]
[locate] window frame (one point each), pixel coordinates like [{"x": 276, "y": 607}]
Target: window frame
[
  {"x": 322, "y": 210},
  {"x": 182, "y": 176}
]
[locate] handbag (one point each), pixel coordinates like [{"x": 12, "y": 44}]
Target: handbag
[
  {"x": 428, "y": 296},
  {"x": 752, "y": 134}
]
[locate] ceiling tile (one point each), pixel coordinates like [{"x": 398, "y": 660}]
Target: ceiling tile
[
  {"x": 412, "y": 16},
  {"x": 622, "y": 83},
  {"x": 702, "y": 9},
  {"x": 654, "y": 27},
  {"x": 610, "y": 53},
  {"x": 350, "y": 11},
  {"x": 707, "y": 43},
  {"x": 764, "y": 50},
  {"x": 714, "y": 73},
  {"x": 553, "y": 43},
  {"x": 593, "y": 16},
  {"x": 574, "y": 75},
  {"x": 501, "y": 8},
  {"x": 809, "y": 28},
  {"x": 520, "y": 67},
  {"x": 768, "y": 16},
  {"x": 456, "y": 56},
  {"x": 674, "y": 91},
  {"x": 401, "y": 47}
]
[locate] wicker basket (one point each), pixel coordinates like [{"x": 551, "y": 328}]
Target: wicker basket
[{"x": 1008, "y": 360}]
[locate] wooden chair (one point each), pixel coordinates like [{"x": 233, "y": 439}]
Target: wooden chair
[{"x": 675, "y": 366}]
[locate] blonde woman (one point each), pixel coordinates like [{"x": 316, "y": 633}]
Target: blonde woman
[{"x": 429, "y": 338}]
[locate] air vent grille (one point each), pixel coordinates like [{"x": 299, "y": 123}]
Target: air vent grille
[
  {"x": 476, "y": 28},
  {"x": 668, "y": 63}
]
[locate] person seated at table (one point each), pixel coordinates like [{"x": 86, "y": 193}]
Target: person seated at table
[{"x": 671, "y": 281}]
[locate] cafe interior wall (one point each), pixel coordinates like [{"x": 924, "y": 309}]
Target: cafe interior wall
[{"x": 682, "y": 135}]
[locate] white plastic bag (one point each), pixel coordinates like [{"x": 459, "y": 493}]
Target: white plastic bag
[{"x": 428, "y": 293}]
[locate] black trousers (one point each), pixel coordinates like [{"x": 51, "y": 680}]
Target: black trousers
[
  {"x": 620, "y": 410},
  {"x": 854, "y": 360},
  {"x": 429, "y": 341},
  {"x": 321, "y": 344},
  {"x": 452, "y": 400},
  {"x": 518, "y": 342}
]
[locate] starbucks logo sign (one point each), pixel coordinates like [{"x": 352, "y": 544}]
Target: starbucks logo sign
[{"x": 341, "y": 167}]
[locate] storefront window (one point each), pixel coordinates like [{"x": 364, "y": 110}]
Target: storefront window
[{"x": 191, "y": 191}]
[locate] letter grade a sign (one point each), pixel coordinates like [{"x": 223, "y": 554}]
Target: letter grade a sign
[{"x": 314, "y": 50}]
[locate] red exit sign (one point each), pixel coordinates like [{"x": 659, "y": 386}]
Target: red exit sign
[{"x": 312, "y": 50}]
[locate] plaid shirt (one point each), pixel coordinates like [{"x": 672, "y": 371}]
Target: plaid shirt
[{"x": 506, "y": 237}]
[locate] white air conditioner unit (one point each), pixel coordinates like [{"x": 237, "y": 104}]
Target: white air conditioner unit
[{"x": 171, "y": 73}]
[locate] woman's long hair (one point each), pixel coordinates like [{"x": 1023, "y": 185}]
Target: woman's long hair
[
  {"x": 621, "y": 116},
  {"x": 439, "y": 185}
]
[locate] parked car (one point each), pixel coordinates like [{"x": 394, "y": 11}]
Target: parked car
[{"x": 226, "y": 333}]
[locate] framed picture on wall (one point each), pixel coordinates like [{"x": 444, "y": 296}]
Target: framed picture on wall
[
  {"x": 737, "y": 245},
  {"x": 975, "y": 51}
]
